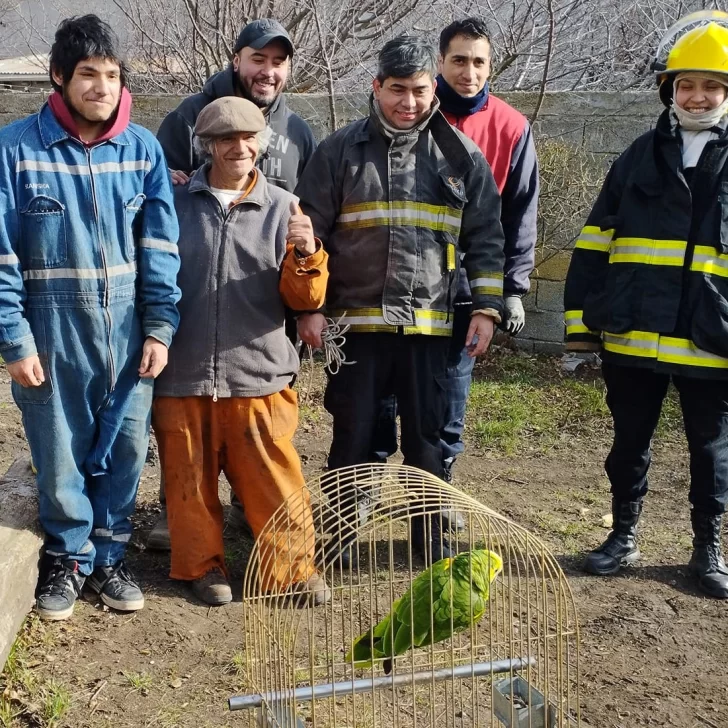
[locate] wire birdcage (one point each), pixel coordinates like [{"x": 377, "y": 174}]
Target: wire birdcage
[{"x": 516, "y": 666}]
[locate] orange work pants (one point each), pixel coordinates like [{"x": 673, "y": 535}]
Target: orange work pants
[{"x": 250, "y": 440}]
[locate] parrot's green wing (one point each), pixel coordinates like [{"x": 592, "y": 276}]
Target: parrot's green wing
[
  {"x": 415, "y": 609},
  {"x": 374, "y": 644}
]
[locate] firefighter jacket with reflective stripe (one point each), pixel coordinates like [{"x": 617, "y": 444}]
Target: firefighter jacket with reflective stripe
[
  {"x": 648, "y": 280},
  {"x": 394, "y": 211}
]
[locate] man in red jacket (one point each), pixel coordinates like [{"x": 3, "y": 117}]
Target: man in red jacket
[{"x": 504, "y": 136}]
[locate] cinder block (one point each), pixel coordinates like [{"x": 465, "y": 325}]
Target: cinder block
[
  {"x": 529, "y": 300},
  {"x": 544, "y": 326},
  {"x": 548, "y": 347},
  {"x": 550, "y": 296},
  {"x": 555, "y": 267},
  {"x": 20, "y": 547}
]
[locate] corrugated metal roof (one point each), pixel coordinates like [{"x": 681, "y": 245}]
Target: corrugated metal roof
[{"x": 23, "y": 66}]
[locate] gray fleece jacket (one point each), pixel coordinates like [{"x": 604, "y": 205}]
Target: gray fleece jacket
[{"x": 231, "y": 340}]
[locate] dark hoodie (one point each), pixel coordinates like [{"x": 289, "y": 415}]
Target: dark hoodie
[{"x": 291, "y": 145}]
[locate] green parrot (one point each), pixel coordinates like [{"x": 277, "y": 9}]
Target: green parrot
[{"x": 442, "y": 601}]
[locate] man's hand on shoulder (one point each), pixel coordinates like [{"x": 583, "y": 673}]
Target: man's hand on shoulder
[{"x": 179, "y": 177}]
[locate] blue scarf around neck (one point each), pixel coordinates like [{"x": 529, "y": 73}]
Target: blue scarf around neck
[{"x": 453, "y": 103}]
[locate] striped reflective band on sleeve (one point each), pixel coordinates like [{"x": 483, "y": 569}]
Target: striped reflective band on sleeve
[
  {"x": 45, "y": 274},
  {"x": 648, "y": 252},
  {"x": 164, "y": 245},
  {"x": 37, "y": 165},
  {"x": 708, "y": 260},
  {"x": 10, "y": 259},
  {"x": 487, "y": 283},
  {"x": 371, "y": 320},
  {"x": 667, "y": 349},
  {"x": 594, "y": 238},
  {"x": 575, "y": 325},
  {"x": 417, "y": 214}
]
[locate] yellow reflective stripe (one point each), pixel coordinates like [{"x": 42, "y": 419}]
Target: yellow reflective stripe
[
  {"x": 371, "y": 320},
  {"x": 648, "y": 252},
  {"x": 666, "y": 349},
  {"x": 451, "y": 258},
  {"x": 594, "y": 238},
  {"x": 632, "y": 343},
  {"x": 433, "y": 323},
  {"x": 683, "y": 351},
  {"x": 575, "y": 325},
  {"x": 398, "y": 212},
  {"x": 707, "y": 260},
  {"x": 489, "y": 283}
]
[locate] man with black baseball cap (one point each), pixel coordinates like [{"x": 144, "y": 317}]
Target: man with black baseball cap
[{"x": 258, "y": 72}]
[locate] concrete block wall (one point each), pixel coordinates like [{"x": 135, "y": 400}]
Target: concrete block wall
[{"x": 603, "y": 124}]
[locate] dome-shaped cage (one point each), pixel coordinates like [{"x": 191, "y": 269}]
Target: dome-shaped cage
[{"x": 516, "y": 665}]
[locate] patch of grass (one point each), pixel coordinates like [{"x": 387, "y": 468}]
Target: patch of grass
[
  {"x": 8, "y": 713},
  {"x": 23, "y": 691},
  {"x": 569, "y": 533},
  {"x": 237, "y": 664},
  {"x": 139, "y": 681},
  {"x": 55, "y": 702},
  {"x": 519, "y": 402}
]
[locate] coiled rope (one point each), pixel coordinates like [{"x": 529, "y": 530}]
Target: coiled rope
[{"x": 333, "y": 337}]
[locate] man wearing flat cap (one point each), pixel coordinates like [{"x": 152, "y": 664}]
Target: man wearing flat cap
[
  {"x": 258, "y": 72},
  {"x": 226, "y": 405}
]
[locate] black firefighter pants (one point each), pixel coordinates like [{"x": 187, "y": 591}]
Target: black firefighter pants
[
  {"x": 413, "y": 368},
  {"x": 634, "y": 397}
]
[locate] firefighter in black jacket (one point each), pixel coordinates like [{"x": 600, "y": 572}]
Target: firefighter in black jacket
[{"x": 648, "y": 286}]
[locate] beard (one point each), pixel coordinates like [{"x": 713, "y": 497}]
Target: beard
[
  {"x": 260, "y": 101},
  {"x": 77, "y": 113}
]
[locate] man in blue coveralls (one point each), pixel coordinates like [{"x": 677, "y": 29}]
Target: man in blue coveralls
[{"x": 88, "y": 267}]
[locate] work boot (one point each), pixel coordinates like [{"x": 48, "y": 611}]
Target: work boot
[
  {"x": 428, "y": 538},
  {"x": 706, "y": 563},
  {"x": 213, "y": 588},
  {"x": 116, "y": 587},
  {"x": 620, "y": 549},
  {"x": 158, "y": 539},
  {"x": 312, "y": 593},
  {"x": 59, "y": 586}
]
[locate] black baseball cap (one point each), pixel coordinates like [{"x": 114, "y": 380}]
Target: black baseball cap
[{"x": 261, "y": 32}]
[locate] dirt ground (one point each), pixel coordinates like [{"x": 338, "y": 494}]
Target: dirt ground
[{"x": 653, "y": 651}]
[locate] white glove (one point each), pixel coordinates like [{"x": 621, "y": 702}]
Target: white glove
[{"x": 514, "y": 317}]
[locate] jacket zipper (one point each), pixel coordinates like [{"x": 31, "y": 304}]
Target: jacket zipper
[
  {"x": 217, "y": 300},
  {"x": 107, "y": 312}
]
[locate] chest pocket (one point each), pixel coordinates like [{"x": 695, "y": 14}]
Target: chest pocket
[
  {"x": 43, "y": 233},
  {"x": 132, "y": 221}
]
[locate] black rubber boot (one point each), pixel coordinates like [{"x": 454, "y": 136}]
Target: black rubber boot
[
  {"x": 620, "y": 548},
  {"x": 706, "y": 563},
  {"x": 428, "y": 538}
]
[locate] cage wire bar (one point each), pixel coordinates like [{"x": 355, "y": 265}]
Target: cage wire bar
[{"x": 517, "y": 666}]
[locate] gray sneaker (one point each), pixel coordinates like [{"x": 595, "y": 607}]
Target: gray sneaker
[
  {"x": 159, "y": 536},
  {"x": 213, "y": 588},
  {"x": 116, "y": 587},
  {"x": 59, "y": 586}
]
